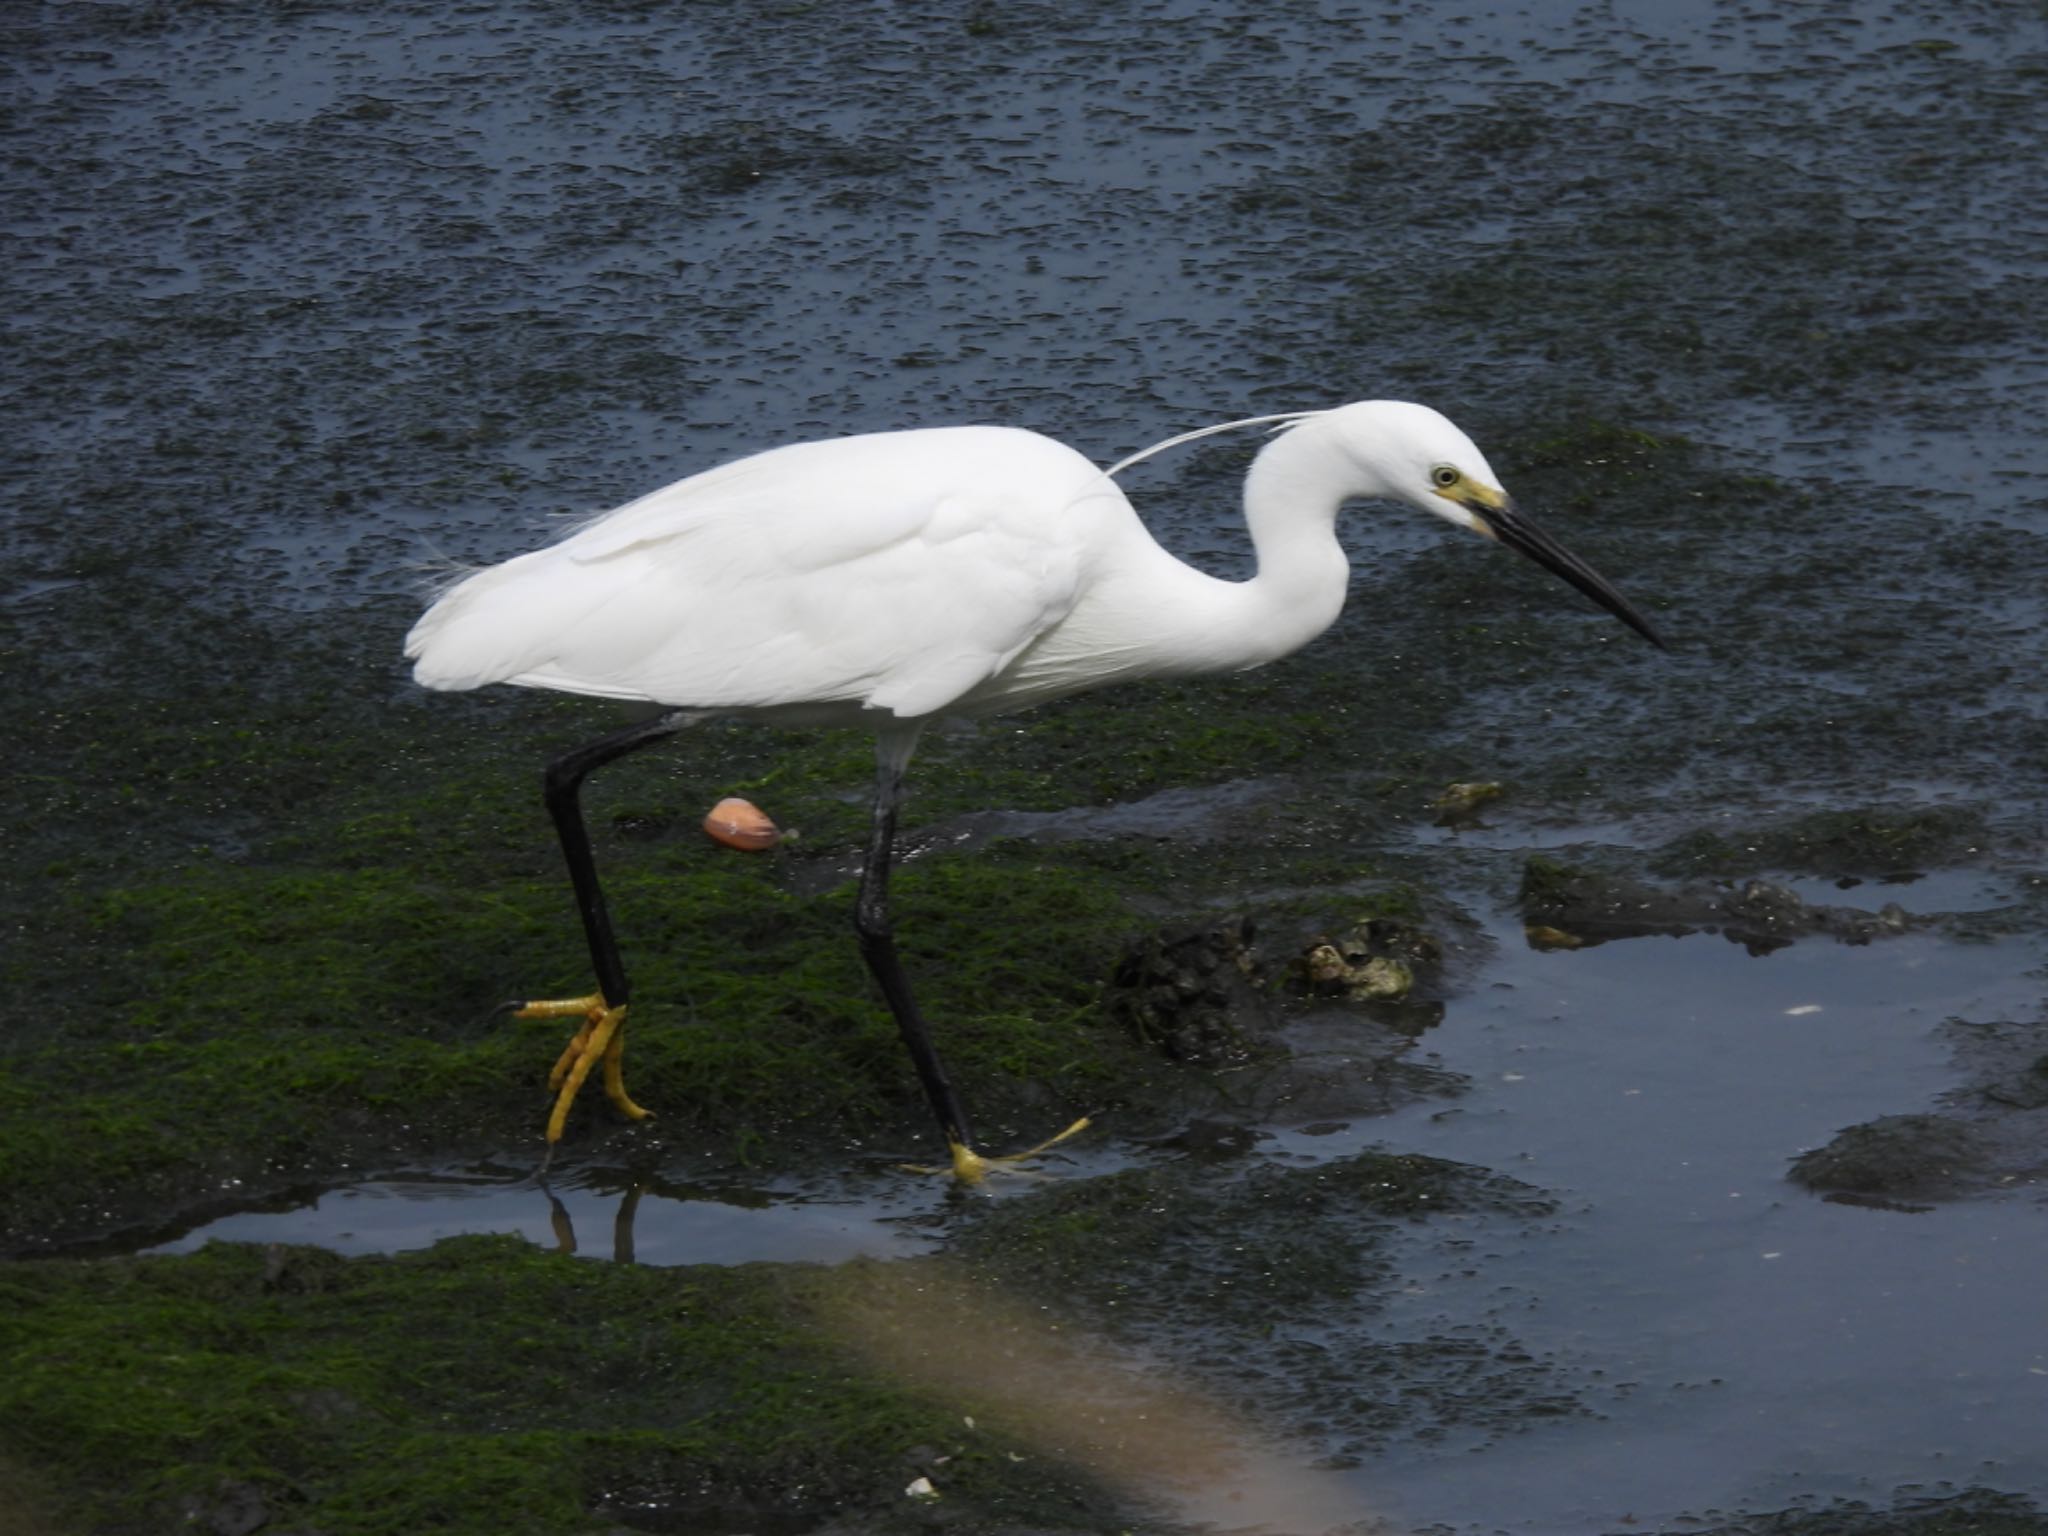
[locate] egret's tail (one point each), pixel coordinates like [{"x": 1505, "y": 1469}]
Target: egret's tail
[{"x": 495, "y": 624}]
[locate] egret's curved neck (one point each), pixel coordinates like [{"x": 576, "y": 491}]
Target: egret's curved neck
[
  {"x": 1291, "y": 498},
  {"x": 1149, "y": 614}
]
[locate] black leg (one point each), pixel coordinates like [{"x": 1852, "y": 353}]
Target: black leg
[
  {"x": 878, "y": 947},
  {"x": 564, "y": 778},
  {"x": 600, "y": 1036}
]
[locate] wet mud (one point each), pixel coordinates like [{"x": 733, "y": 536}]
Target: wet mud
[{"x": 1649, "y": 1141}]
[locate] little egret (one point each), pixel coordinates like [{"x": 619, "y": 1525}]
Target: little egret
[{"x": 889, "y": 579}]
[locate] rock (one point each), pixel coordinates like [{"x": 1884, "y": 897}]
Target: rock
[
  {"x": 1188, "y": 994},
  {"x": 1912, "y": 1156}
]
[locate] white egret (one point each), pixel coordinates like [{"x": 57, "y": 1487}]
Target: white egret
[{"x": 889, "y": 579}]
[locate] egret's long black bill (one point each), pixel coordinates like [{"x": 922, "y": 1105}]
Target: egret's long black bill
[{"x": 1510, "y": 527}]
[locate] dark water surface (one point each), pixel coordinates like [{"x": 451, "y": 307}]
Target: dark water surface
[
  {"x": 355, "y": 283},
  {"x": 303, "y": 300}
]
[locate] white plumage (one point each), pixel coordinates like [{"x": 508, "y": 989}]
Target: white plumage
[
  {"x": 892, "y": 573},
  {"x": 910, "y": 573}
]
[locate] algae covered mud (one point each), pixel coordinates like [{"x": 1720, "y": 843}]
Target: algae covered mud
[{"x": 1693, "y": 1183}]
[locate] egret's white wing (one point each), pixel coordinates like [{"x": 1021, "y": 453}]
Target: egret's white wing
[{"x": 895, "y": 571}]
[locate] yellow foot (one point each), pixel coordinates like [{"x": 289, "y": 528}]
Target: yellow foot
[
  {"x": 601, "y": 1036},
  {"x": 970, "y": 1167}
]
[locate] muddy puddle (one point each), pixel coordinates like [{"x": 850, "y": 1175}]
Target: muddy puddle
[{"x": 602, "y": 1213}]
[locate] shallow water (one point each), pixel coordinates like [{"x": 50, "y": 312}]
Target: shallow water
[
  {"x": 587, "y": 1211},
  {"x": 1759, "y": 1345}
]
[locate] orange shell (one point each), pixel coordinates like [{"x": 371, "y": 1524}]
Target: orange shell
[{"x": 741, "y": 824}]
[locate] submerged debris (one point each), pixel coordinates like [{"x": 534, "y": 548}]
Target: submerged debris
[
  {"x": 1378, "y": 977},
  {"x": 1374, "y": 962},
  {"x": 1461, "y": 802}
]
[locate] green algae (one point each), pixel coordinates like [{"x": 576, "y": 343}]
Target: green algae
[
  {"x": 482, "y": 1385},
  {"x": 277, "y": 1011}
]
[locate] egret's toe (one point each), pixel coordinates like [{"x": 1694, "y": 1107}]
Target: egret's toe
[
  {"x": 971, "y": 1167},
  {"x": 600, "y": 1036}
]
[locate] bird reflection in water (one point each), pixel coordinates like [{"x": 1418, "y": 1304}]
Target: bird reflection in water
[{"x": 564, "y": 1227}]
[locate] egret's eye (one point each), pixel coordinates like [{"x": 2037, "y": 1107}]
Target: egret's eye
[{"x": 1445, "y": 477}]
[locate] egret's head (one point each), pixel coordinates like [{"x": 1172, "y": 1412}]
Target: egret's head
[
  {"x": 1416, "y": 454},
  {"x": 1419, "y": 456}
]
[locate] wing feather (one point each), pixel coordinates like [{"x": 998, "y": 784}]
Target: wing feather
[{"x": 892, "y": 572}]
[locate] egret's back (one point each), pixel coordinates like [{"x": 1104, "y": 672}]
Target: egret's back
[{"x": 892, "y": 572}]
